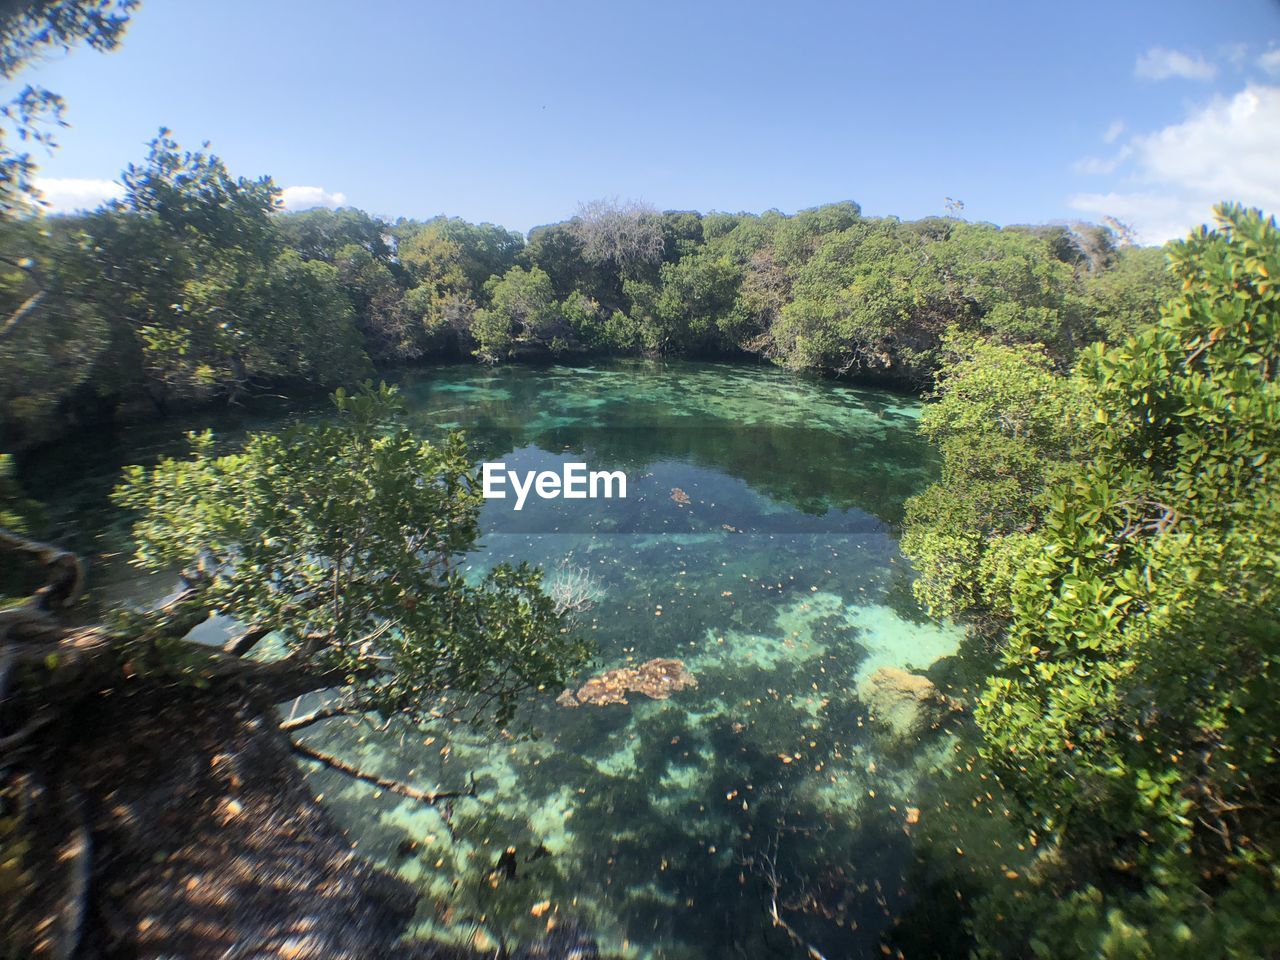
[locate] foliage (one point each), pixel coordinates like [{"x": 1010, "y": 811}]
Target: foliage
[
  {"x": 692, "y": 307},
  {"x": 323, "y": 234},
  {"x": 29, "y": 29},
  {"x": 349, "y": 540},
  {"x": 1129, "y": 293},
  {"x": 449, "y": 249},
  {"x": 522, "y": 308},
  {"x": 877, "y": 296},
  {"x": 1007, "y": 427},
  {"x": 197, "y": 287},
  {"x": 1132, "y": 708},
  {"x": 57, "y": 344}
]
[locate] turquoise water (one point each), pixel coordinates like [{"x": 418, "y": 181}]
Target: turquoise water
[{"x": 668, "y": 826}]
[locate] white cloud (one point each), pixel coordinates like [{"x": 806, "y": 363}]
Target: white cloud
[
  {"x": 304, "y": 198},
  {"x": 1159, "y": 63},
  {"x": 1114, "y": 132},
  {"x": 1155, "y": 217},
  {"x": 69, "y": 194},
  {"x": 1098, "y": 166},
  {"x": 1225, "y": 150},
  {"x": 1270, "y": 61}
]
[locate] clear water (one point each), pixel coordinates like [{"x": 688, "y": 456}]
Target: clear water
[{"x": 665, "y": 825}]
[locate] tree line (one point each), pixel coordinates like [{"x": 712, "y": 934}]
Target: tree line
[{"x": 195, "y": 286}]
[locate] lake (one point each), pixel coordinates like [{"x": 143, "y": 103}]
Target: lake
[{"x": 758, "y": 544}]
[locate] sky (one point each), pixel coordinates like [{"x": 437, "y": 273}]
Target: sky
[{"x": 515, "y": 113}]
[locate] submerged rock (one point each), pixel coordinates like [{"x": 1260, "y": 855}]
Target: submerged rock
[
  {"x": 907, "y": 704},
  {"x": 656, "y": 679}
]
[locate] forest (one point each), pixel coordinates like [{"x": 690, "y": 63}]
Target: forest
[
  {"x": 1100, "y": 433},
  {"x": 194, "y": 288}
]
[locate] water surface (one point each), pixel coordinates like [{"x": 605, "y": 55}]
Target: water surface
[{"x": 670, "y": 826}]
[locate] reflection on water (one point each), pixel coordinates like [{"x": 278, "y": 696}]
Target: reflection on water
[{"x": 669, "y": 826}]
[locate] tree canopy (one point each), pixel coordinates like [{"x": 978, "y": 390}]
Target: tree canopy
[
  {"x": 1114, "y": 530},
  {"x": 30, "y": 29}
]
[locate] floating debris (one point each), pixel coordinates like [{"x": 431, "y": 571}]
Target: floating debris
[{"x": 679, "y": 496}]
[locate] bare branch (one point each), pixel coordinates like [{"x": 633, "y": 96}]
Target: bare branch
[
  {"x": 307, "y": 719},
  {"x": 627, "y": 234},
  {"x": 573, "y": 590},
  {"x": 386, "y": 783}
]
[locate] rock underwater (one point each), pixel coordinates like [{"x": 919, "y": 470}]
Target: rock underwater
[
  {"x": 656, "y": 679},
  {"x": 906, "y": 703}
]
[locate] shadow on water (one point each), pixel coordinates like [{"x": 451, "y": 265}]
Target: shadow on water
[{"x": 757, "y": 544}]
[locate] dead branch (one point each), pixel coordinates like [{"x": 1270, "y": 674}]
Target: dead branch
[
  {"x": 386, "y": 783},
  {"x": 306, "y": 720},
  {"x": 769, "y": 870}
]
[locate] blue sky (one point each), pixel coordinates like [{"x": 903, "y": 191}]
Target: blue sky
[{"x": 517, "y": 112}]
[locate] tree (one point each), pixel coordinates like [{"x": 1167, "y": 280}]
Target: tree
[
  {"x": 347, "y": 542},
  {"x": 322, "y": 234},
  {"x": 522, "y": 308},
  {"x": 344, "y": 542},
  {"x": 1127, "y": 296},
  {"x": 692, "y": 308},
  {"x": 1007, "y": 426},
  {"x": 628, "y": 235},
  {"x": 59, "y": 349},
  {"x": 29, "y": 28},
  {"x": 193, "y": 268},
  {"x": 385, "y": 323},
  {"x": 1133, "y": 707},
  {"x": 467, "y": 254}
]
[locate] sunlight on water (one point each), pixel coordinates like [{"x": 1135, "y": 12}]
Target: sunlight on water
[
  {"x": 776, "y": 579},
  {"x": 780, "y": 586}
]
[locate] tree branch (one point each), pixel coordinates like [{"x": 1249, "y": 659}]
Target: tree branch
[
  {"x": 66, "y": 571},
  {"x": 386, "y": 783},
  {"x": 306, "y": 720},
  {"x": 16, "y": 318},
  {"x": 238, "y": 646}
]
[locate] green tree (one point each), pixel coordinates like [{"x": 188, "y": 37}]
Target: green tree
[
  {"x": 59, "y": 348},
  {"x": 1007, "y": 427},
  {"x": 322, "y": 234},
  {"x": 522, "y": 309},
  {"x": 1128, "y": 295},
  {"x": 691, "y": 308},
  {"x": 384, "y": 320},
  {"x": 1134, "y": 708},
  {"x": 449, "y": 249},
  {"x": 348, "y": 542},
  {"x": 28, "y": 30},
  {"x": 193, "y": 267}
]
